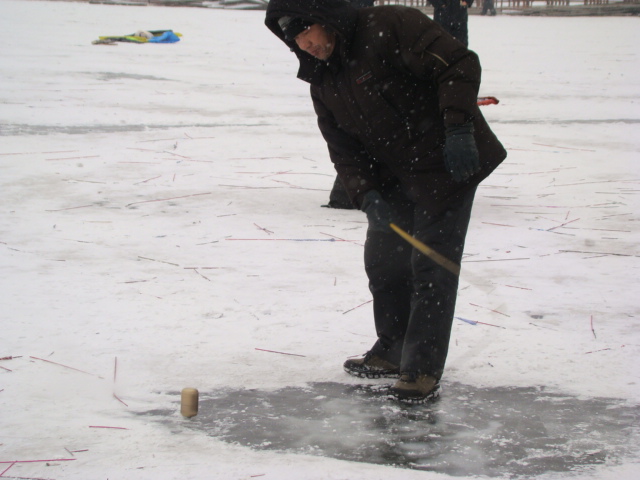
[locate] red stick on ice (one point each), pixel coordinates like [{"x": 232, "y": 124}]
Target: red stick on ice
[
  {"x": 114, "y": 428},
  {"x": 66, "y": 366},
  {"x": 281, "y": 353}
]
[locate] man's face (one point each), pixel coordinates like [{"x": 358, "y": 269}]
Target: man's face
[{"x": 316, "y": 41}]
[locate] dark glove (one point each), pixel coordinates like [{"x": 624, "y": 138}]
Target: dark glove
[
  {"x": 378, "y": 212},
  {"x": 460, "y": 152}
]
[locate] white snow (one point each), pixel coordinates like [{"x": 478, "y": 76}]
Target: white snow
[{"x": 152, "y": 201}]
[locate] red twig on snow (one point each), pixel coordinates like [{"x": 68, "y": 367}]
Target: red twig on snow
[
  {"x": 115, "y": 371},
  {"x": 39, "y": 461},
  {"x": 495, "y": 311},
  {"x": 148, "y": 180},
  {"x": 6, "y": 469},
  {"x": 339, "y": 239},
  {"x": 475, "y": 322},
  {"x": 32, "y": 153},
  {"x": 71, "y": 158},
  {"x": 521, "y": 288},
  {"x": 281, "y": 353},
  {"x": 497, "y": 224},
  {"x": 263, "y": 229},
  {"x": 66, "y": 366},
  {"x": 118, "y": 398},
  {"x": 167, "y": 199},
  {"x": 351, "y": 309},
  {"x": 203, "y": 276},
  {"x": 565, "y": 148},
  {"x": 114, "y": 428},
  {"x": 596, "y": 351},
  {"x": 566, "y": 223},
  {"x": 70, "y": 208}
]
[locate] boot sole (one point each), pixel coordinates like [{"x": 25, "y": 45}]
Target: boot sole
[
  {"x": 431, "y": 396},
  {"x": 372, "y": 374}
]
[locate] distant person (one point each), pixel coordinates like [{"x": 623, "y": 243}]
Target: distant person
[
  {"x": 452, "y": 15},
  {"x": 487, "y": 7}
]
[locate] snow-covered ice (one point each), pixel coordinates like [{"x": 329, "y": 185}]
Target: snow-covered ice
[{"x": 161, "y": 228}]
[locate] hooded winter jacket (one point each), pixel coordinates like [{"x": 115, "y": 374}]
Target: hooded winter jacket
[{"x": 383, "y": 99}]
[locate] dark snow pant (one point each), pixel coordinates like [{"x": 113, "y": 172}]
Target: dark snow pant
[
  {"x": 414, "y": 298},
  {"x": 454, "y": 22}
]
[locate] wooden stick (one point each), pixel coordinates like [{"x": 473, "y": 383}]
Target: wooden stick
[
  {"x": 592, "y": 330},
  {"x": 428, "y": 251}
]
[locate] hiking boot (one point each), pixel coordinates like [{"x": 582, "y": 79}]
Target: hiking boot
[
  {"x": 371, "y": 366},
  {"x": 415, "y": 388}
]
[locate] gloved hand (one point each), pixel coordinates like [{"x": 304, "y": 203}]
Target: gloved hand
[
  {"x": 460, "y": 152},
  {"x": 378, "y": 212}
]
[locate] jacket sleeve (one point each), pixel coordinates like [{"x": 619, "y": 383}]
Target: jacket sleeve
[
  {"x": 356, "y": 168},
  {"x": 418, "y": 45}
]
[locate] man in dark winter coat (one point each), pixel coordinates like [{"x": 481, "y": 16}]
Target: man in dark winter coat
[
  {"x": 453, "y": 16},
  {"x": 395, "y": 97}
]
